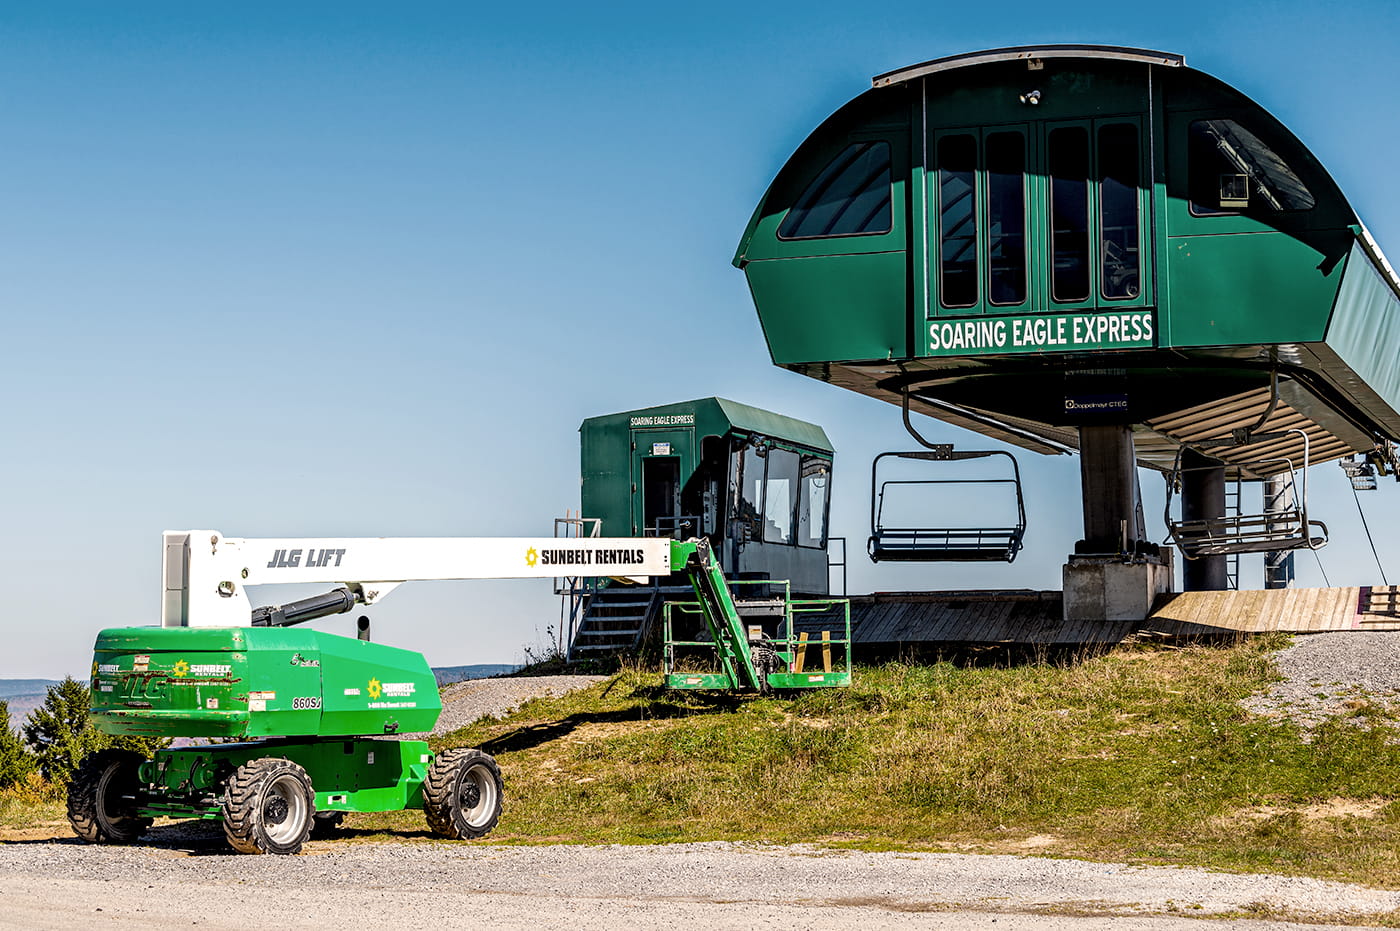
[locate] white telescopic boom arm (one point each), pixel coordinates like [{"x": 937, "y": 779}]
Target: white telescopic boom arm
[{"x": 205, "y": 573}]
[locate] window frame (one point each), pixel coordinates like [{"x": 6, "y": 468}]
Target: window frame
[
  {"x": 746, "y": 453},
  {"x": 794, "y": 478},
  {"x": 1097, "y": 300},
  {"x": 1090, "y": 214},
  {"x": 1027, "y": 246},
  {"x": 802, "y": 499}
]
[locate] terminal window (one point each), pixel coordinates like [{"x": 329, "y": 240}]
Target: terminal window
[
  {"x": 1006, "y": 218},
  {"x": 1069, "y": 213},
  {"x": 1118, "y": 209},
  {"x": 780, "y": 496},
  {"x": 1233, "y": 171},
  {"x": 957, "y": 220},
  {"x": 851, "y": 197},
  {"x": 811, "y": 511}
]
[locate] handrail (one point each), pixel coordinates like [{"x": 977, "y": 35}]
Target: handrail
[
  {"x": 574, "y": 595},
  {"x": 832, "y": 563},
  {"x": 681, "y": 527},
  {"x": 769, "y": 653}
]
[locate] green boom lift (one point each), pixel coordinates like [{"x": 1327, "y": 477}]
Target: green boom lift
[{"x": 308, "y": 722}]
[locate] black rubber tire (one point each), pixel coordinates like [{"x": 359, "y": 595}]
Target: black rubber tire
[
  {"x": 463, "y": 794},
  {"x": 326, "y": 824},
  {"x": 268, "y": 807},
  {"x": 103, "y": 797}
]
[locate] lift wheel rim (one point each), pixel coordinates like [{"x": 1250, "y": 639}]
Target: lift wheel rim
[
  {"x": 284, "y": 809},
  {"x": 477, "y": 795}
]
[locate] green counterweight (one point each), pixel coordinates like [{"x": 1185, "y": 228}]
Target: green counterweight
[{"x": 251, "y": 682}]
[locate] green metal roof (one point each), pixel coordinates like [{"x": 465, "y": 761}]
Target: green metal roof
[
  {"x": 700, "y": 436},
  {"x": 706, "y": 411},
  {"x": 756, "y": 420}
]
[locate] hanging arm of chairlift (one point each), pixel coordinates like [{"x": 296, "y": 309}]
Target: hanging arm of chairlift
[
  {"x": 1244, "y": 436},
  {"x": 996, "y": 429}
]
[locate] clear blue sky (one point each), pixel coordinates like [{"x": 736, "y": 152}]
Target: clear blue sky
[{"x": 361, "y": 268}]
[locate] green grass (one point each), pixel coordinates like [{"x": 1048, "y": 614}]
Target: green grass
[
  {"x": 30, "y": 805},
  {"x": 1143, "y": 756}
]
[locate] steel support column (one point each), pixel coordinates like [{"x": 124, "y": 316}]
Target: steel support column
[
  {"x": 1108, "y": 476},
  {"x": 1203, "y": 498}
]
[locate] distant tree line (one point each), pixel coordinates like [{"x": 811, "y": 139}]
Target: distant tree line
[{"x": 55, "y": 737}]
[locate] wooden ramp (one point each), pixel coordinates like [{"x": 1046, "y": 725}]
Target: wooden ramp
[
  {"x": 1292, "y": 610},
  {"x": 1035, "y": 617}
]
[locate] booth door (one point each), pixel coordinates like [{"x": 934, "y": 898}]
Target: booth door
[{"x": 661, "y": 461}]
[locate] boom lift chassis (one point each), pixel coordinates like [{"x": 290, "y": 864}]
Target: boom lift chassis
[{"x": 309, "y": 718}]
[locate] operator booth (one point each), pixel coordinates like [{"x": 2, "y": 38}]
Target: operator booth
[
  {"x": 755, "y": 484},
  {"x": 755, "y": 488}
]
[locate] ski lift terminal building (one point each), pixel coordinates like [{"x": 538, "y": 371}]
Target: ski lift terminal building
[{"x": 1092, "y": 249}]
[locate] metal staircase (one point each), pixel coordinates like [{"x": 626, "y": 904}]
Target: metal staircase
[
  {"x": 618, "y": 618},
  {"x": 1378, "y": 605}
]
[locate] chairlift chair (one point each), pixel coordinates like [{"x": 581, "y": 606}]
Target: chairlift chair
[
  {"x": 943, "y": 543},
  {"x": 1289, "y": 528},
  {"x": 1362, "y": 474}
]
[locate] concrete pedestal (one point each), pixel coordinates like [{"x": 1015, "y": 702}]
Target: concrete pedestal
[{"x": 1105, "y": 588}]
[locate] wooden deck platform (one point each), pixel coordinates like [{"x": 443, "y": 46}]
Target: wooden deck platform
[
  {"x": 1035, "y": 617},
  {"x": 1293, "y": 610}
]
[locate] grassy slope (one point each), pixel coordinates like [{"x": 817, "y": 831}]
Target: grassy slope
[
  {"x": 1143, "y": 756},
  {"x": 1138, "y": 756}
]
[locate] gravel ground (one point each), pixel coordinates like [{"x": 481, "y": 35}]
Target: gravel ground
[
  {"x": 182, "y": 873},
  {"x": 177, "y": 878},
  {"x": 464, "y": 702},
  {"x": 1326, "y": 674}
]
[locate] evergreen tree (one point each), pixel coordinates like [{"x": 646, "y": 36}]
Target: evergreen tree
[
  {"x": 16, "y": 762},
  {"x": 58, "y": 730},
  {"x": 59, "y": 733}
]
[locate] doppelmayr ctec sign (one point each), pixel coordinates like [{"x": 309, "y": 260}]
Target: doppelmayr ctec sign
[{"x": 1075, "y": 332}]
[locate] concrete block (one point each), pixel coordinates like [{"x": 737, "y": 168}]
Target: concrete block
[{"x": 1105, "y": 588}]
